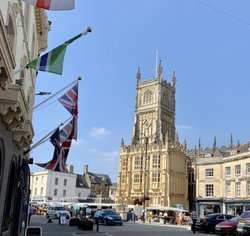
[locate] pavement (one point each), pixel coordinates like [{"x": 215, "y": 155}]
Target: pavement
[{"x": 54, "y": 228}]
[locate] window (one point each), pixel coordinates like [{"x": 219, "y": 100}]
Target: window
[
  {"x": 41, "y": 191},
  {"x": 228, "y": 189},
  {"x": 124, "y": 164},
  {"x": 136, "y": 178},
  {"x": 64, "y": 193},
  {"x": 42, "y": 179},
  {"x": 138, "y": 163},
  {"x": 209, "y": 173},
  {"x": 56, "y": 181},
  {"x": 237, "y": 170},
  {"x": 36, "y": 181},
  {"x": 248, "y": 188},
  {"x": 148, "y": 97},
  {"x": 65, "y": 182},
  {"x": 79, "y": 194},
  {"x": 55, "y": 192},
  {"x": 35, "y": 191},
  {"x": 156, "y": 161},
  {"x": 156, "y": 177},
  {"x": 248, "y": 168},
  {"x": 237, "y": 189},
  {"x": 123, "y": 178},
  {"x": 209, "y": 190},
  {"x": 228, "y": 171}
]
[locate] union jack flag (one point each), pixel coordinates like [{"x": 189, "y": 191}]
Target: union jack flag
[
  {"x": 58, "y": 161},
  {"x": 70, "y": 100},
  {"x": 69, "y": 131}
]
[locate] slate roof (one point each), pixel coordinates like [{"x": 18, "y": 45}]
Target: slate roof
[{"x": 81, "y": 182}]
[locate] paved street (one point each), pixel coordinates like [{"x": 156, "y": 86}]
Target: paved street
[{"x": 129, "y": 228}]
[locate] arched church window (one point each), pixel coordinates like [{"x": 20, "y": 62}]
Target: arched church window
[
  {"x": 156, "y": 161},
  {"x": 148, "y": 97},
  {"x": 138, "y": 163},
  {"x": 136, "y": 178}
]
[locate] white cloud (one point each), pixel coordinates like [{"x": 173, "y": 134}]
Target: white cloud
[
  {"x": 79, "y": 142},
  {"x": 105, "y": 156},
  {"x": 98, "y": 132},
  {"x": 183, "y": 127}
]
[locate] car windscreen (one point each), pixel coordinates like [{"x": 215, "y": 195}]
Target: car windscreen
[
  {"x": 60, "y": 209},
  {"x": 109, "y": 212},
  {"x": 235, "y": 219}
]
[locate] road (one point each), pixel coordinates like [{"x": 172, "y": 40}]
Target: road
[{"x": 128, "y": 229}]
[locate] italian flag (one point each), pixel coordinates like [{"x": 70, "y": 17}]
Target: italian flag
[{"x": 56, "y": 5}]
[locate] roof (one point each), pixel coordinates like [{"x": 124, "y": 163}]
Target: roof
[
  {"x": 99, "y": 178},
  {"x": 81, "y": 182}
]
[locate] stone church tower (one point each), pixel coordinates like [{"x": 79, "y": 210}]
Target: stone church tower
[{"x": 154, "y": 165}]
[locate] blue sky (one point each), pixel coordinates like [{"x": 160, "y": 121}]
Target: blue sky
[{"x": 207, "y": 44}]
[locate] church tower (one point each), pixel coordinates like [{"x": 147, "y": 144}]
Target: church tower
[{"x": 154, "y": 165}]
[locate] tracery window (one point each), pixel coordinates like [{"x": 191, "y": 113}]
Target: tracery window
[
  {"x": 148, "y": 97},
  {"x": 156, "y": 161},
  {"x": 156, "y": 177},
  {"x": 138, "y": 163}
]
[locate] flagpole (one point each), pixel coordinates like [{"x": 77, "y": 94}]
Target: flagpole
[
  {"x": 46, "y": 137},
  {"x": 88, "y": 30},
  {"x": 38, "y": 105}
]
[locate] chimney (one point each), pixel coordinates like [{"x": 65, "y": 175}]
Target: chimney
[
  {"x": 86, "y": 169},
  {"x": 70, "y": 168}
]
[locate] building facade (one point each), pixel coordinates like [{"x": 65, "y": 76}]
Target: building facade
[
  {"x": 54, "y": 186},
  {"x": 222, "y": 179},
  {"x": 23, "y": 35},
  {"x": 154, "y": 165}
]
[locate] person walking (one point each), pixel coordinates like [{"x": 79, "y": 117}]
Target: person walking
[{"x": 194, "y": 217}]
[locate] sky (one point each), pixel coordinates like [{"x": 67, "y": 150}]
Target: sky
[{"x": 206, "y": 43}]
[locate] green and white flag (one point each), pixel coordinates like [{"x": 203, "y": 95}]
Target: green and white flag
[{"x": 53, "y": 60}]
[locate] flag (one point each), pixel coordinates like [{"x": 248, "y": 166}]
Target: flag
[
  {"x": 58, "y": 162},
  {"x": 53, "y": 60},
  {"x": 69, "y": 131},
  {"x": 70, "y": 100},
  {"x": 57, "y": 5}
]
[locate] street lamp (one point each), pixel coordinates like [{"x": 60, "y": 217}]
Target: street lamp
[{"x": 145, "y": 174}]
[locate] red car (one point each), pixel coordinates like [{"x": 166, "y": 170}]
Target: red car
[{"x": 227, "y": 227}]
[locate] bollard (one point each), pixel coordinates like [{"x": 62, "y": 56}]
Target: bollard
[{"x": 97, "y": 224}]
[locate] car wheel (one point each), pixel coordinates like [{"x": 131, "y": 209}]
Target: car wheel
[
  {"x": 234, "y": 233},
  {"x": 106, "y": 222}
]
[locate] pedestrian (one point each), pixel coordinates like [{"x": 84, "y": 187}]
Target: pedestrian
[
  {"x": 194, "y": 217},
  {"x": 30, "y": 212},
  {"x": 165, "y": 215}
]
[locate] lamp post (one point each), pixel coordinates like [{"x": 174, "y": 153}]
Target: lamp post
[{"x": 145, "y": 174}]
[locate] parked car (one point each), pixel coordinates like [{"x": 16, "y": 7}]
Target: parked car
[
  {"x": 209, "y": 222},
  {"x": 244, "y": 222},
  {"x": 228, "y": 227},
  {"x": 108, "y": 217},
  {"x": 56, "y": 211}
]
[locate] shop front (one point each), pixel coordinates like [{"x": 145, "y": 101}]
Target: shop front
[{"x": 208, "y": 206}]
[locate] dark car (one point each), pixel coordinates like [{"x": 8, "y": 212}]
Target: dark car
[
  {"x": 208, "y": 222},
  {"x": 244, "y": 223},
  {"x": 108, "y": 217},
  {"x": 227, "y": 227}
]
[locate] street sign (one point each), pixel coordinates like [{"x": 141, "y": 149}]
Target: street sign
[{"x": 33, "y": 231}]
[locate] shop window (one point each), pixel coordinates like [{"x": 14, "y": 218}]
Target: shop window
[{"x": 10, "y": 194}]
